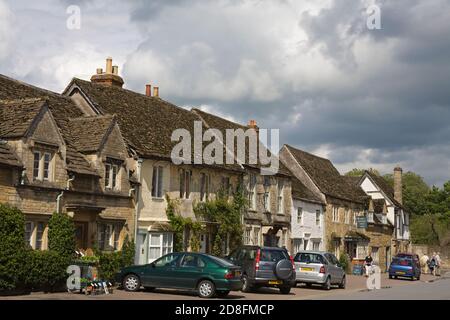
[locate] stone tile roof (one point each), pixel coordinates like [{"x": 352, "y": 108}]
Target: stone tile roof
[
  {"x": 62, "y": 109},
  {"x": 88, "y": 133},
  {"x": 385, "y": 187},
  {"x": 16, "y": 116},
  {"x": 301, "y": 192},
  {"x": 7, "y": 156},
  {"x": 213, "y": 121},
  {"x": 327, "y": 177}
]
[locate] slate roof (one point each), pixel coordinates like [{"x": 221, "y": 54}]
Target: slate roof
[
  {"x": 7, "y": 156},
  {"x": 385, "y": 187},
  {"x": 327, "y": 177},
  {"x": 62, "y": 109},
  {"x": 88, "y": 133}
]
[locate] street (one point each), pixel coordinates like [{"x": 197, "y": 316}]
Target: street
[{"x": 428, "y": 287}]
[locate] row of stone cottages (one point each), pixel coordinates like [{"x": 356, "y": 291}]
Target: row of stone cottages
[{"x": 101, "y": 154}]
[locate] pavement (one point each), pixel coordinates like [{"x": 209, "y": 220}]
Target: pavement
[{"x": 428, "y": 287}]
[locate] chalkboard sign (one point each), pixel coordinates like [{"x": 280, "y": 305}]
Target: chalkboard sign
[
  {"x": 361, "y": 222},
  {"x": 358, "y": 270}
]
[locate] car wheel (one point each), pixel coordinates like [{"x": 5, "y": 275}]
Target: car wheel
[
  {"x": 222, "y": 294},
  {"x": 343, "y": 283},
  {"x": 391, "y": 277},
  {"x": 206, "y": 289},
  {"x": 285, "y": 290},
  {"x": 327, "y": 284},
  {"x": 246, "y": 287},
  {"x": 131, "y": 283}
]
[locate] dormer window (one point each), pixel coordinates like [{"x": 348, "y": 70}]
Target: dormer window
[
  {"x": 42, "y": 165},
  {"x": 111, "y": 173}
]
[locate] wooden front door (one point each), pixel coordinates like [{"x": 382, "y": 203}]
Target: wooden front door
[{"x": 81, "y": 234}]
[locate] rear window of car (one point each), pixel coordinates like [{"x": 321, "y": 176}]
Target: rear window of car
[
  {"x": 402, "y": 262},
  {"x": 221, "y": 262},
  {"x": 309, "y": 258},
  {"x": 273, "y": 255}
]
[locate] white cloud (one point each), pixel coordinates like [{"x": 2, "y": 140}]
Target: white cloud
[{"x": 6, "y": 30}]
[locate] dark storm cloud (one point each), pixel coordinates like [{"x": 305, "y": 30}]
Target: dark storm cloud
[{"x": 364, "y": 98}]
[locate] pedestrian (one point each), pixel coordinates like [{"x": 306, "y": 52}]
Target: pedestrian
[
  {"x": 432, "y": 265},
  {"x": 438, "y": 264},
  {"x": 368, "y": 263},
  {"x": 424, "y": 261}
]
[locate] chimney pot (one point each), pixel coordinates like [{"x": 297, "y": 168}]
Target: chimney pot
[
  {"x": 115, "y": 70},
  {"x": 148, "y": 90},
  {"x": 252, "y": 124},
  {"x": 156, "y": 92},
  {"x": 99, "y": 70},
  {"x": 109, "y": 65}
]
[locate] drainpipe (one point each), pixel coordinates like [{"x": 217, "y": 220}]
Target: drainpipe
[
  {"x": 137, "y": 199},
  {"x": 59, "y": 197}
]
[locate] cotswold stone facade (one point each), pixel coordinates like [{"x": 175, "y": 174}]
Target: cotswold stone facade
[{"x": 45, "y": 167}]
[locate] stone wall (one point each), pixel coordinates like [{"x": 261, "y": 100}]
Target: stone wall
[{"x": 428, "y": 250}]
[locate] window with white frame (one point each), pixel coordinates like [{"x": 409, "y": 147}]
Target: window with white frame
[
  {"x": 111, "y": 175},
  {"x": 300, "y": 215},
  {"x": 361, "y": 250},
  {"x": 280, "y": 189},
  {"x": 318, "y": 218},
  {"x": 34, "y": 234},
  {"x": 297, "y": 245},
  {"x": 247, "y": 236},
  {"x": 159, "y": 244},
  {"x": 335, "y": 214},
  {"x": 157, "y": 181},
  {"x": 205, "y": 181},
  {"x": 108, "y": 235},
  {"x": 185, "y": 183},
  {"x": 252, "y": 191},
  {"x": 42, "y": 165},
  {"x": 355, "y": 221},
  {"x": 316, "y": 245}
]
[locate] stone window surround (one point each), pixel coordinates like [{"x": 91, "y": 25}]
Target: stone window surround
[
  {"x": 35, "y": 222},
  {"x": 38, "y": 172}
]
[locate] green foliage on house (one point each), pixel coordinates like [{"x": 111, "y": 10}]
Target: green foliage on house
[{"x": 61, "y": 235}]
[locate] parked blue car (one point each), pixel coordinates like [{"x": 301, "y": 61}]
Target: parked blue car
[{"x": 404, "y": 267}]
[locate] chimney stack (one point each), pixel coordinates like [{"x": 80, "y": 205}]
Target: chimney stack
[
  {"x": 398, "y": 186},
  {"x": 252, "y": 124},
  {"x": 148, "y": 90},
  {"x": 110, "y": 77},
  {"x": 156, "y": 92}
]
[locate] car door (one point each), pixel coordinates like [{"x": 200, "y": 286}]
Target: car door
[
  {"x": 159, "y": 274},
  {"x": 189, "y": 271},
  {"x": 334, "y": 269}
]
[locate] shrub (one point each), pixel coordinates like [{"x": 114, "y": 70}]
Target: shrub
[
  {"x": 47, "y": 270},
  {"x": 61, "y": 235},
  {"x": 111, "y": 263},
  {"x": 13, "y": 250},
  {"x": 344, "y": 261}
]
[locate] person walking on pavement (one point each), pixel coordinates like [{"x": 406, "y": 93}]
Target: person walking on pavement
[
  {"x": 438, "y": 264},
  {"x": 368, "y": 263},
  {"x": 432, "y": 265},
  {"x": 424, "y": 261}
]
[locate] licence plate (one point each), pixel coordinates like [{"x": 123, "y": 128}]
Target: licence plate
[
  {"x": 307, "y": 269},
  {"x": 400, "y": 272},
  {"x": 275, "y": 282}
]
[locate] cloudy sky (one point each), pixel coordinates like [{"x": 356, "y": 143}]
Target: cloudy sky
[{"x": 363, "y": 98}]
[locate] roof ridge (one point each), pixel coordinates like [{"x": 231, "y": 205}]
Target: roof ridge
[
  {"x": 52, "y": 93},
  {"x": 216, "y": 116},
  {"x": 306, "y": 152},
  {"x": 93, "y": 117}
]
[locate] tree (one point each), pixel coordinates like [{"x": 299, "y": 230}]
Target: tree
[
  {"x": 360, "y": 172},
  {"x": 415, "y": 190}
]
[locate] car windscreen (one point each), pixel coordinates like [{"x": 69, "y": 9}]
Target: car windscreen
[
  {"x": 273, "y": 255},
  {"x": 402, "y": 262},
  {"x": 309, "y": 258},
  {"x": 221, "y": 262}
]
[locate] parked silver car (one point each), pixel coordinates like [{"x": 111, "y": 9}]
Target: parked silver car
[{"x": 315, "y": 267}]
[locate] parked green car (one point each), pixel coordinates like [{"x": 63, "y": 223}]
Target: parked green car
[{"x": 208, "y": 275}]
